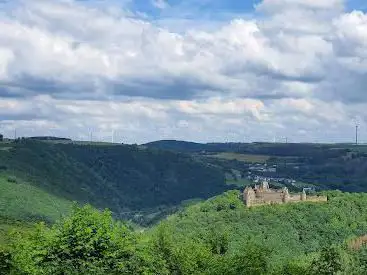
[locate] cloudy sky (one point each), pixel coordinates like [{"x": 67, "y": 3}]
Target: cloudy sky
[{"x": 199, "y": 70}]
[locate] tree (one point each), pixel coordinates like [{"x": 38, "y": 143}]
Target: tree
[
  {"x": 6, "y": 264},
  {"x": 251, "y": 259},
  {"x": 330, "y": 262},
  {"x": 87, "y": 242}
]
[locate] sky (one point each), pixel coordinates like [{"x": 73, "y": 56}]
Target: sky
[{"x": 135, "y": 71}]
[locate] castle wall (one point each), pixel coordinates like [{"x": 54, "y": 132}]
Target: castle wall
[
  {"x": 269, "y": 196},
  {"x": 272, "y": 197},
  {"x": 317, "y": 199}
]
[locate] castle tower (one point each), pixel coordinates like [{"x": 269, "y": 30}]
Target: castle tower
[
  {"x": 285, "y": 195},
  {"x": 303, "y": 195},
  {"x": 248, "y": 196},
  {"x": 265, "y": 185}
]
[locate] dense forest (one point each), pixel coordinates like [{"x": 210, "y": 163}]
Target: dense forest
[
  {"x": 127, "y": 179},
  {"x": 218, "y": 236}
]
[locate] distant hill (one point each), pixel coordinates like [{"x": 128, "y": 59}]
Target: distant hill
[
  {"x": 328, "y": 166},
  {"x": 49, "y": 138},
  {"x": 177, "y": 145},
  {"x": 123, "y": 178},
  {"x": 256, "y": 148},
  {"x": 186, "y": 146}
]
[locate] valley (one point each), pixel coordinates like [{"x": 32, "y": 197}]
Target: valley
[{"x": 183, "y": 207}]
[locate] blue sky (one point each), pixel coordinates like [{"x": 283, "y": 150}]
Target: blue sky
[
  {"x": 213, "y": 8},
  {"x": 194, "y": 70}
]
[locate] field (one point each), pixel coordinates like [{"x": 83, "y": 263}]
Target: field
[
  {"x": 239, "y": 183},
  {"x": 241, "y": 157}
]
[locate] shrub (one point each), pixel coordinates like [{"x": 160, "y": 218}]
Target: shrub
[
  {"x": 87, "y": 242},
  {"x": 5, "y": 261},
  {"x": 12, "y": 179}
]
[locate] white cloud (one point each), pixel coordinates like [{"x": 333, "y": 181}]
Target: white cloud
[
  {"x": 160, "y": 4},
  {"x": 272, "y": 6},
  {"x": 297, "y": 68}
]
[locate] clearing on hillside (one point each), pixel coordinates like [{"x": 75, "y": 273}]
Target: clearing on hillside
[{"x": 241, "y": 157}]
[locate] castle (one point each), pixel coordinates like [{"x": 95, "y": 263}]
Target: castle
[{"x": 262, "y": 195}]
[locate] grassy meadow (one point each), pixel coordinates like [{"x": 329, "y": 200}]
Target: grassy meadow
[{"x": 249, "y": 158}]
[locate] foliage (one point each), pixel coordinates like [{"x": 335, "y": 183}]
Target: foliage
[
  {"x": 219, "y": 236},
  {"x": 6, "y": 264},
  {"x": 129, "y": 180},
  {"x": 286, "y": 231},
  {"x": 28, "y": 203},
  {"x": 329, "y": 262},
  {"x": 87, "y": 242},
  {"x": 329, "y": 166}
]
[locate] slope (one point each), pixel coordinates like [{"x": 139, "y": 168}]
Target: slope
[
  {"x": 285, "y": 231},
  {"x": 328, "y": 166},
  {"x": 22, "y": 204},
  {"x": 121, "y": 177}
]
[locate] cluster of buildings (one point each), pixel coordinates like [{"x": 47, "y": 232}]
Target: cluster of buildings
[
  {"x": 263, "y": 167},
  {"x": 257, "y": 179}
]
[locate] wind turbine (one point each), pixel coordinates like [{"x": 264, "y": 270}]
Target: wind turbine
[
  {"x": 356, "y": 133},
  {"x": 113, "y": 136}
]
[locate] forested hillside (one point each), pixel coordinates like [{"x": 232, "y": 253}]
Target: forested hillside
[
  {"x": 121, "y": 177},
  {"x": 219, "y": 236},
  {"x": 290, "y": 234},
  {"x": 328, "y": 166}
]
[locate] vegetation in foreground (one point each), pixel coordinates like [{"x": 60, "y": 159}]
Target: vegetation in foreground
[{"x": 218, "y": 236}]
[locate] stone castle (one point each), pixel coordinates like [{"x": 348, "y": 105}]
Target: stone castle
[{"x": 262, "y": 195}]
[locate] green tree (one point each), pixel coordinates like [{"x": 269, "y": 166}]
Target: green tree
[
  {"x": 186, "y": 258},
  {"x": 251, "y": 259},
  {"x": 329, "y": 262},
  {"x": 296, "y": 267},
  {"x": 6, "y": 264},
  {"x": 86, "y": 242}
]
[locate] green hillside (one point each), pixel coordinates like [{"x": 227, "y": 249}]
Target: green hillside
[
  {"x": 22, "y": 201},
  {"x": 327, "y": 166},
  {"x": 22, "y": 204},
  {"x": 215, "y": 237},
  {"x": 123, "y": 178},
  {"x": 287, "y": 232}
]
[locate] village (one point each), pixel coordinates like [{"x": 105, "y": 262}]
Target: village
[{"x": 260, "y": 173}]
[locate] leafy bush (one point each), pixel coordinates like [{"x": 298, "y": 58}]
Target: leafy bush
[
  {"x": 12, "y": 179},
  {"x": 6, "y": 265},
  {"x": 232, "y": 241},
  {"x": 87, "y": 242}
]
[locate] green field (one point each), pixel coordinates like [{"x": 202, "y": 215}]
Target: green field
[
  {"x": 241, "y": 157},
  {"x": 239, "y": 182}
]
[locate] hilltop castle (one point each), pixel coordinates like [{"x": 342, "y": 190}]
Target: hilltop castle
[{"x": 261, "y": 195}]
